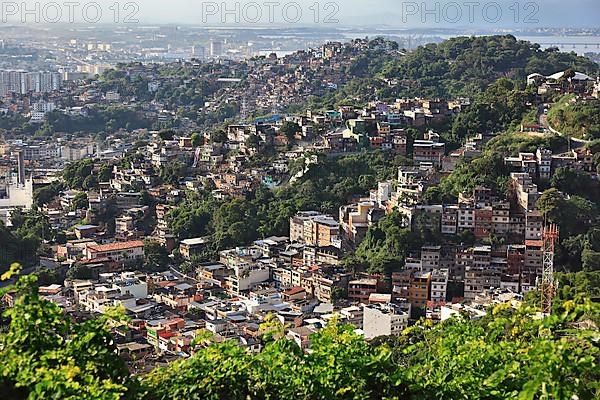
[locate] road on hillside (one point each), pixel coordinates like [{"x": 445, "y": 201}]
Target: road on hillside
[{"x": 543, "y": 121}]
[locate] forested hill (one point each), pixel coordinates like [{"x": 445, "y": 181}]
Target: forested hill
[
  {"x": 466, "y": 65},
  {"x": 461, "y": 66}
]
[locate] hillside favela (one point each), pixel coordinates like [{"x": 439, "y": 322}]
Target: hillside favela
[{"x": 297, "y": 200}]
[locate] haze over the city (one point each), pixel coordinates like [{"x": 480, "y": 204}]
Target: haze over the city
[{"x": 410, "y": 14}]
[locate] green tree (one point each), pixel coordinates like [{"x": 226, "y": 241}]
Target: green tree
[
  {"x": 156, "y": 257},
  {"x": 509, "y": 354},
  {"x": 218, "y": 136},
  {"x": 166, "y": 134},
  {"x": 45, "y": 355},
  {"x": 75, "y": 173},
  {"x": 552, "y": 204},
  {"x": 253, "y": 142},
  {"x": 290, "y": 130},
  {"x": 191, "y": 220},
  {"x": 337, "y": 293},
  {"x": 196, "y": 139},
  {"x": 386, "y": 245},
  {"x": 90, "y": 183},
  {"x": 80, "y": 202},
  {"x": 47, "y": 276},
  {"x": 172, "y": 172},
  {"x": 590, "y": 260},
  {"x": 574, "y": 182},
  {"x": 80, "y": 271},
  {"x": 46, "y": 194},
  {"x": 105, "y": 173}
]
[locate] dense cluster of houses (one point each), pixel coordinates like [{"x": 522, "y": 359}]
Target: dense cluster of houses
[
  {"x": 487, "y": 248},
  {"x": 484, "y": 248}
]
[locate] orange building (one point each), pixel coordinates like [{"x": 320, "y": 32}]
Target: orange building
[{"x": 418, "y": 292}]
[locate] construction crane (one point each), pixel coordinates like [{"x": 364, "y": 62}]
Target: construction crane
[{"x": 548, "y": 285}]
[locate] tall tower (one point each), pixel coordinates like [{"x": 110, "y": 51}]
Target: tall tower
[
  {"x": 244, "y": 109},
  {"x": 20, "y": 167},
  {"x": 548, "y": 285}
]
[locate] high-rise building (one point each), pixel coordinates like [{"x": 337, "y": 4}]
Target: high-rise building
[
  {"x": 22, "y": 82},
  {"x": 199, "y": 52},
  {"x": 10, "y": 82},
  {"x": 20, "y": 167},
  {"x": 40, "y": 82},
  {"x": 216, "y": 48}
]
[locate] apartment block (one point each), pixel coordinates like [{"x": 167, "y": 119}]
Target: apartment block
[
  {"x": 430, "y": 258},
  {"x": 524, "y": 192},
  {"x": 360, "y": 289},
  {"x": 383, "y": 320},
  {"x": 439, "y": 285},
  {"x": 418, "y": 292},
  {"x": 479, "y": 279},
  {"x": 450, "y": 220},
  {"x": 314, "y": 229},
  {"x": 428, "y": 152},
  {"x": 118, "y": 252}
]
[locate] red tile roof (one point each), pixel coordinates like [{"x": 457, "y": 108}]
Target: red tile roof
[
  {"x": 534, "y": 243},
  {"x": 294, "y": 290},
  {"x": 96, "y": 261},
  {"x": 117, "y": 246}
]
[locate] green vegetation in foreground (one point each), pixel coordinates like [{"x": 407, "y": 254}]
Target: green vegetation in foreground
[
  {"x": 510, "y": 353},
  {"x": 578, "y": 119}
]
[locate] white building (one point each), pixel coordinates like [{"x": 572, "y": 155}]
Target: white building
[
  {"x": 38, "y": 152},
  {"x": 15, "y": 195},
  {"x": 430, "y": 258},
  {"x": 439, "y": 285},
  {"x": 383, "y": 320},
  {"x": 247, "y": 276},
  {"x": 77, "y": 152},
  {"x": 23, "y": 82},
  {"x": 44, "y": 106},
  {"x": 127, "y": 283},
  {"x": 353, "y": 315},
  {"x": 384, "y": 192},
  {"x": 118, "y": 251},
  {"x": 37, "y": 117},
  {"x": 112, "y": 96},
  {"x": 10, "y": 82},
  {"x": 216, "y": 48},
  {"x": 112, "y": 290},
  {"x": 40, "y": 109}
]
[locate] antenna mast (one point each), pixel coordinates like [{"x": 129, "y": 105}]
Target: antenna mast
[
  {"x": 244, "y": 109},
  {"x": 548, "y": 285}
]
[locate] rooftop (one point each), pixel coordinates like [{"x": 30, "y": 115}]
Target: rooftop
[
  {"x": 294, "y": 290},
  {"x": 579, "y": 76},
  {"x": 117, "y": 246},
  {"x": 195, "y": 241},
  {"x": 86, "y": 227},
  {"x": 365, "y": 281}
]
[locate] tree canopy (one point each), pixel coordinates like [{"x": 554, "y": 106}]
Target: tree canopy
[{"x": 510, "y": 353}]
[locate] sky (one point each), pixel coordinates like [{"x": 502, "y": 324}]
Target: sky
[{"x": 492, "y": 14}]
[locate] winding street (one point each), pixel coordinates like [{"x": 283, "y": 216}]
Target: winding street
[{"x": 543, "y": 121}]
